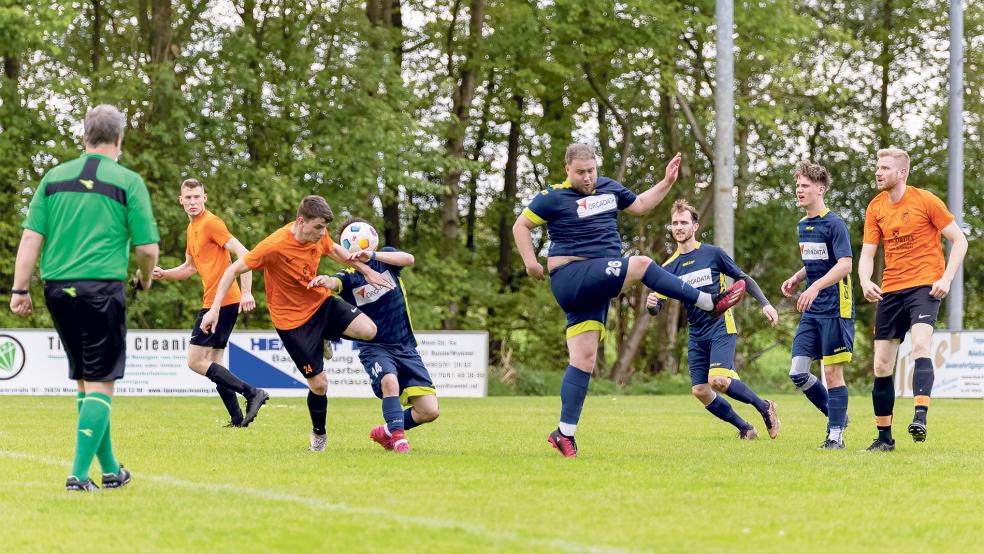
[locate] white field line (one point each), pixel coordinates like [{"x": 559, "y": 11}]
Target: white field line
[{"x": 422, "y": 521}]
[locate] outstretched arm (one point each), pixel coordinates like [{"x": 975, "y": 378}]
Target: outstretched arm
[
  {"x": 344, "y": 257},
  {"x": 179, "y": 273},
  {"x": 400, "y": 259},
  {"x": 648, "y": 200}
]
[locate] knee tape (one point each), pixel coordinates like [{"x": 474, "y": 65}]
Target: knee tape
[{"x": 799, "y": 373}]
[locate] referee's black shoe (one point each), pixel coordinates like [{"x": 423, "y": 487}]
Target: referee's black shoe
[
  {"x": 116, "y": 480},
  {"x": 74, "y": 484},
  {"x": 253, "y": 405}
]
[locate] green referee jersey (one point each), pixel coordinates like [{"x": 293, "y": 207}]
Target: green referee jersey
[{"x": 90, "y": 210}]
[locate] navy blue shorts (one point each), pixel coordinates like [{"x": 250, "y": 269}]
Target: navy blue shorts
[
  {"x": 584, "y": 289},
  {"x": 219, "y": 337},
  {"x": 828, "y": 338},
  {"x": 400, "y": 360},
  {"x": 712, "y": 357}
]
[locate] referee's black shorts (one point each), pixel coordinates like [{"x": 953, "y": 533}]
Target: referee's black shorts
[{"x": 90, "y": 317}]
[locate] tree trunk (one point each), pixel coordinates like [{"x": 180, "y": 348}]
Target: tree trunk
[
  {"x": 96, "y": 34},
  {"x": 884, "y": 60},
  {"x": 388, "y": 13},
  {"x": 461, "y": 103},
  {"x": 509, "y": 188},
  {"x": 483, "y": 129}
]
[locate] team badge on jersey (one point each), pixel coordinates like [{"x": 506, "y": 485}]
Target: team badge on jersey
[
  {"x": 596, "y": 204},
  {"x": 814, "y": 251},
  {"x": 367, "y": 294}
]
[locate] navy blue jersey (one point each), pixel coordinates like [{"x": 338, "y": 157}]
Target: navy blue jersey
[
  {"x": 704, "y": 268},
  {"x": 582, "y": 225},
  {"x": 387, "y": 308},
  {"x": 822, "y": 241}
]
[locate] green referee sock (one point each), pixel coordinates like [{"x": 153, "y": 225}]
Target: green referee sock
[{"x": 93, "y": 423}]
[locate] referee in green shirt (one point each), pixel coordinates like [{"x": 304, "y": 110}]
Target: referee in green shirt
[{"x": 82, "y": 220}]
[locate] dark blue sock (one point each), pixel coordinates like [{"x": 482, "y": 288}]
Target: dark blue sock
[
  {"x": 723, "y": 410},
  {"x": 837, "y": 405},
  {"x": 667, "y": 284},
  {"x": 572, "y": 392},
  {"x": 812, "y": 388},
  {"x": 408, "y": 422},
  {"x": 740, "y": 392},
  {"x": 318, "y": 408},
  {"x": 393, "y": 413}
]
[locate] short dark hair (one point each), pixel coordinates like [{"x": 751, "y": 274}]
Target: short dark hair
[
  {"x": 341, "y": 227},
  {"x": 192, "y": 184},
  {"x": 103, "y": 125},
  {"x": 681, "y": 206},
  {"x": 315, "y": 206},
  {"x": 814, "y": 172}
]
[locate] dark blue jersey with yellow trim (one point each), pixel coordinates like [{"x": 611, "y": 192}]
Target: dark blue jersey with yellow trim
[
  {"x": 823, "y": 240},
  {"x": 580, "y": 224},
  {"x": 386, "y": 307},
  {"x": 704, "y": 268}
]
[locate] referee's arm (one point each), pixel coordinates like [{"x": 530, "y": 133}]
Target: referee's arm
[{"x": 27, "y": 257}]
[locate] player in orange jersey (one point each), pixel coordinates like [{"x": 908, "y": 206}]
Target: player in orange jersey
[
  {"x": 209, "y": 243},
  {"x": 908, "y": 221},
  {"x": 303, "y": 311}
]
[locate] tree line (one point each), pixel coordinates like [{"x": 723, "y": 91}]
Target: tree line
[{"x": 438, "y": 119}]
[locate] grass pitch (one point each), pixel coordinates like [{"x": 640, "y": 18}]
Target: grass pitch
[{"x": 656, "y": 474}]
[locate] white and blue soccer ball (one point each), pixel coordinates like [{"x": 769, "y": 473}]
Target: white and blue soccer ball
[{"x": 359, "y": 236}]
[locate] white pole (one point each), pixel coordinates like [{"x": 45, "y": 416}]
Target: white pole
[
  {"x": 724, "y": 138},
  {"x": 955, "y": 300}
]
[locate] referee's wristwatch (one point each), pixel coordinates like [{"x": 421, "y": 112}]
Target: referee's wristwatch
[{"x": 19, "y": 291}]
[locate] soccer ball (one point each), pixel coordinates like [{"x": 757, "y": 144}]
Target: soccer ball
[{"x": 359, "y": 236}]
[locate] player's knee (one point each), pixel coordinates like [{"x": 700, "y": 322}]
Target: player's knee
[
  {"x": 799, "y": 373},
  {"x": 720, "y": 383},
  {"x": 318, "y": 384},
  {"x": 199, "y": 364},
  {"x": 390, "y": 385},
  {"x": 428, "y": 412},
  {"x": 833, "y": 372},
  {"x": 701, "y": 391},
  {"x": 639, "y": 264}
]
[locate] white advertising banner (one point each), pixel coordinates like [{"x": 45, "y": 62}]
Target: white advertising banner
[
  {"x": 34, "y": 362},
  {"x": 958, "y": 359}
]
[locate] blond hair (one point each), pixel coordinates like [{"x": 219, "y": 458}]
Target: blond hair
[
  {"x": 814, "y": 172},
  {"x": 681, "y": 206},
  {"x": 897, "y": 153}
]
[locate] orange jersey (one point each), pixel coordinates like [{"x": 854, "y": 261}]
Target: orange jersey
[
  {"x": 911, "y": 232},
  {"x": 207, "y": 236},
  {"x": 288, "y": 267}
]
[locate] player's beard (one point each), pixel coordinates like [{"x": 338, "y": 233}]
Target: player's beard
[
  {"x": 685, "y": 238},
  {"x": 584, "y": 189},
  {"x": 886, "y": 184}
]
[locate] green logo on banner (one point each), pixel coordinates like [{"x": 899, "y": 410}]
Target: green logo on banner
[{"x": 11, "y": 357}]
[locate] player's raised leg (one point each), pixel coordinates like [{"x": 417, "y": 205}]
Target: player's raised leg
[{"x": 645, "y": 270}]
